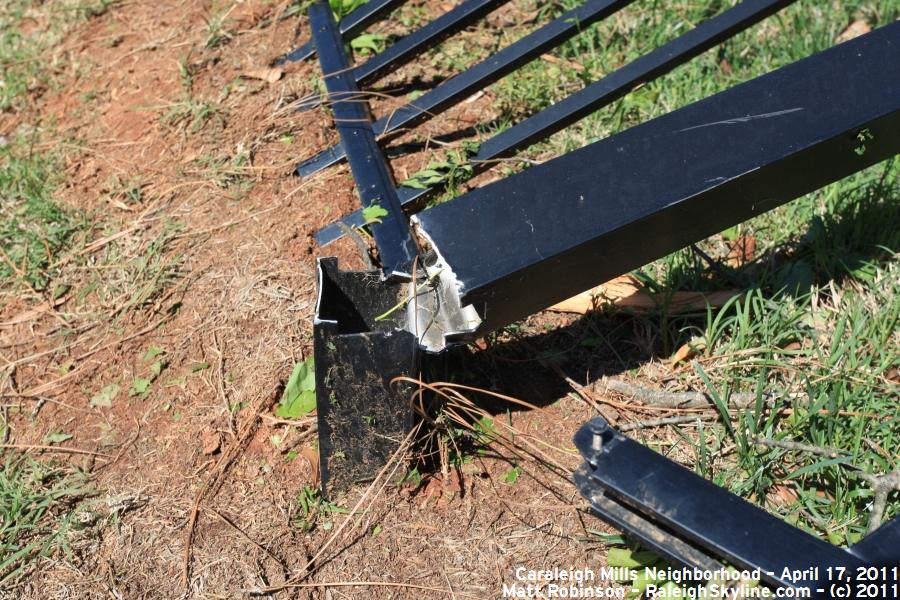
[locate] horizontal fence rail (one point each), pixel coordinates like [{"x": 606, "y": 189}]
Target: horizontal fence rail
[{"x": 595, "y": 96}]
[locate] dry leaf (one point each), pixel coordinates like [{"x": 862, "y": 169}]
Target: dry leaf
[
  {"x": 572, "y": 64},
  {"x": 893, "y": 375},
  {"x": 686, "y": 352},
  {"x": 855, "y": 29},
  {"x": 246, "y": 15},
  {"x": 726, "y": 67},
  {"x": 433, "y": 489},
  {"x": 689, "y": 350},
  {"x": 742, "y": 251},
  {"x": 782, "y": 495},
  {"x": 271, "y": 74},
  {"x": 627, "y": 292},
  {"x": 312, "y": 457}
]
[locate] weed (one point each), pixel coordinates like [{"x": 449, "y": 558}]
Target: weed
[
  {"x": 311, "y": 507},
  {"x": 33, "y": 228},
  {"x": 93, "y": 9},
  {"x": 369, "y": 43},
  {"x": 192, "y": 115},
  {"x": 342, "y": 8},
  {"x": 127, "y": 192},
  {"x": 216, "y": 35},
  {"x": 186, "y": 72},
  {"x": 449, "y": 173},
  {"x": 130, "y": 273},
  {"x": 37, "y": 504},
  {"x": 227, "y": 171},
  {"x": 22, "y": 68}
]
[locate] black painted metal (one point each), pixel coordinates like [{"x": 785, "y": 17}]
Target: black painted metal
[
  {"x": 519, "y": 245},
  {"x": 595, "y": 96},
  {"x": 350, "y": 26},
  {"x": 465, "y": 84},
  {"x": 374, "y": 182},
  {"x": 427, "y": 37},
  {"x": 361, "y": 417},
  {"x": 526, "y": 242},
  {"x": 882, "y": 546},
  {"x": 658, "y": 501},
  {"x": 650, "y": 534}
]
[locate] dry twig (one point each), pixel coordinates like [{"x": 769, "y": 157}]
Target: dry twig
[
  {"x": 882, "y": 485},
  {"x": 61, "y": 449}
]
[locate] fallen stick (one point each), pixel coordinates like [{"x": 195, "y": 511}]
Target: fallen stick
[
  {"x": 660, "y": 400},
  {"x": 328, "y": 584},
  {"x": 664, "y": 421},
  {"x": 882, "y": 485},
  {"x": 798, "y": 447},
  {"x": 61, "y": 449},
  {"x": 666, "y": 399}
]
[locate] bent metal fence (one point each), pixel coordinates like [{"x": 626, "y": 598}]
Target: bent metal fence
[{"x": 501, "y": 252}]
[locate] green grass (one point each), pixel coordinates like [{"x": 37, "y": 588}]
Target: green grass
[
  {"x": 18, "y": 54},
  {"x": 817, "y": 326},
  {"x": 27, "y": 28},
  {"x": 795, "y": 32},
  {"x": 33, "y": 228},
  {"x": 37, "y": 504}
]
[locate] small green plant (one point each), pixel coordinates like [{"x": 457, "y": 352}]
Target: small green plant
[
  {"x": 191, "y": 115},
  {"x": 37, "y": 504},
  {"x": 228, "y": 171},
  {"x": 311, "y": 508},
  {"x": 511, "y": 476},
  {"x": 373, "y": 214},
  {"x": 412, "y": 478},
  {"x": 299, "y": 396},
  {"x": 104, "y": 397},
  {"x": 342, "y": 8},
  {"x": 140, "y": 386},
  {"x": 216, "y": 35},
  {"x": 126, "y": 192},
  {"x": 97, "y": 8},
  {"x": 141, "y": 277},
  {"x": 369, "y": 43},
  {"x": 449, "y": 173}
]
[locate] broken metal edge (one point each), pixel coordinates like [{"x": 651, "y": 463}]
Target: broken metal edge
[
  {"x": 436, "y": 315},
  {"x": 319, "y": 286},
  {"x": 364, "y": 338}
]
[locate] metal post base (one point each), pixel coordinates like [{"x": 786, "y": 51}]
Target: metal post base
[{"x": 362, "y": 419}]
